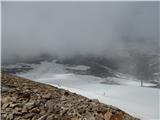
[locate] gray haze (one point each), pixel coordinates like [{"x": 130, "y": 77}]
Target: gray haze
[{"x": 65, "y": 29}]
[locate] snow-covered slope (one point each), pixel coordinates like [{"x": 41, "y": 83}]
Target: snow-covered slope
[{"x": 141, "y": 102}]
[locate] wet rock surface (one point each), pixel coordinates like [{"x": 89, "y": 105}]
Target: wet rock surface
[{"x": 24, "y": 99}]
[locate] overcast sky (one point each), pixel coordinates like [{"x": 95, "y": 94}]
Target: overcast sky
[{"x": 71, "y": 28}]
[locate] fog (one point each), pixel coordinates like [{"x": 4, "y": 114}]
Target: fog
[{"x": 65, "y": 29}]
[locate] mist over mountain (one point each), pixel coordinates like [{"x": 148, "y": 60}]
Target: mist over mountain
[
  {"x": 120, "y": 35},
  {"x": 65, "y": 29}
]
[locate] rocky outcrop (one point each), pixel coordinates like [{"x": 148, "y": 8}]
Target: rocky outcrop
[{"x": 23, "y": 99}]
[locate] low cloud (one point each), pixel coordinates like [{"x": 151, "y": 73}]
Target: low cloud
[{"x": 65, "y": 29}]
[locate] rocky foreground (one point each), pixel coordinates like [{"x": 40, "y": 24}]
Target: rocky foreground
[{"x": 23, "y": 99}]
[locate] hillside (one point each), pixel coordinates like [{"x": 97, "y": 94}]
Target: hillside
[{"x": 23, "y": 99}]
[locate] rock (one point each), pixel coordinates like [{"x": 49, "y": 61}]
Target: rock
[
  {"x": 6, "y": 99},
  {"x": 93, "y": 104},
  {"x": 5, "y": 115},
  {"x": 14, "y": 99},
  {"x": 63, "y": 98},
  {"x": 63, "y": 111},
  {"x": 38, "y": 102},
  {"x": 100, "y": 116},
  {"x": 47, "y": 96},
  {"x": 35, "y": 90},
  {"x": 5, "y": 105},
  {"x": 26, "y": 95},
  {"x": 43, "y": 117},
  {"x": 82, "y": 111},
  {"x": 117, "y": 117},
  {"x": 17, "y": 113},
  {"x": 42, "y": 112},
  {"x": 30, "y": 105},
  {"x": 50, "y": 106},
  {"x": 35, "y": 117},
  {"x": 29, "y": 115},
  {"x": 10, "y": 116},
  {"x": 18, "y": 109},
  {"x": 13, "y": 105},
  {"x": 66, "y": 93},
  {"x": 5, "y": 89},
  {"x": 107, "y": 115},
  {"x": 24, "y": 109},
  {"x": 50, "y": 117},
  {"x": 3, "y": 112},
  {"x": 35, "y": 110},
  {"x": 8, "y": 109}
]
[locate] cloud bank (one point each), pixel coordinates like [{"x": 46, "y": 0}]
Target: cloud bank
[{"x": 65, "y": 29}]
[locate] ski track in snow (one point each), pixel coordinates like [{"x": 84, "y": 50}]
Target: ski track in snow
[{"x": 141, "y": 102}]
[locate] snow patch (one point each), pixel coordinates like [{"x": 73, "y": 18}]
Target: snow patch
[
  {"x": 141, "y": 102},
  {"x": 79, "y": 67}
]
